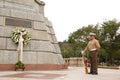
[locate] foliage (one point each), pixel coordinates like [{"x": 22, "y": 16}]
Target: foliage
[
  {"x": 20, "y": 64},
  {"x": 111, "y": 38},
  {"x": 110, "y": 28},
  {"x": 108, "y": 36},
  {"x": 15, "y": 36},
  {"x": 82, "y": 34}
]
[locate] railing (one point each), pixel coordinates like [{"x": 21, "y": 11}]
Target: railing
[{"x": 74, "y": 61}]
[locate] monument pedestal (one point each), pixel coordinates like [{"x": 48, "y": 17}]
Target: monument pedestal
[
  {"x": 34, "y": 67},
  {"x": 43, "y": 53}
]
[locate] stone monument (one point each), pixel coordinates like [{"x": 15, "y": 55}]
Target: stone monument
[{"x": 43, "y": 53}]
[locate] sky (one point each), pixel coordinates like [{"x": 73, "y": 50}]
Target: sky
[{"x": 69, "y": 15}]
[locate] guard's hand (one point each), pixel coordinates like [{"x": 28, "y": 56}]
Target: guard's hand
[{"x": 83, "y": 53}]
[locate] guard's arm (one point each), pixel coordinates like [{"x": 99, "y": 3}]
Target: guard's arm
[
  {"x": 97, "y": 45},
  {"x": 86, "y": 48}
]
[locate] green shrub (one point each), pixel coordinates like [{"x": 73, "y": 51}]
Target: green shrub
[{"x": 19, "y": 63}]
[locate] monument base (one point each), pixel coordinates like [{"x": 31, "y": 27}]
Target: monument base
[{"x": 11, "y": 67}]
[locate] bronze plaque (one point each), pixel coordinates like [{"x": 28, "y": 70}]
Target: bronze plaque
[{"x": 18, "y": 22}]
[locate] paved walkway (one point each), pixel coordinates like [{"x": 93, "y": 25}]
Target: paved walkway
[{"x": 73, "y": 73}]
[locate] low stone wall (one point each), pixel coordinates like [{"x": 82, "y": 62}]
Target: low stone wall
[
  {"x": 74, "y": 61},
  {"x": 109, "y": 67}
]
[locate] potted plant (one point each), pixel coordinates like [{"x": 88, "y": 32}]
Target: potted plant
[{"x": 19, "y": 65}]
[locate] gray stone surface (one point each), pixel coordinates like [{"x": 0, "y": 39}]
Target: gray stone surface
[
  {"x": 39, "y": 25},
  {"x": 18, "y": 6},
  {"x": 12, "y": 57},
  {"x": 31, "y": 15},
  {"x": 60, "y": 59},
  {"x": 1, "y": 56},
  {"x": 39, "y": 8},
  {"x": 53, "y": 48},
  {"x": 48, "y": 30},
  {"x": 46, "y": 58},
  {"x": 39, "y": 35},
  {"x": 25, "y": 2},
  {"x": 57, "y": 48},
  {"x": 6, "y": 31},
  {"x": 50, "y": 38},
  {"x": 4, "y": 58},
  {"x": 1, "y": 31},
  {"x": 1, "y": 20},
  {"x": 11, "y": 45},
  {"x": 18, "y": 14},
  {"x": 54, "y": 39},
  {"x": 8, "y": 57},
  {"x": 55, "y": 59},
  {"x": 35, "y": 16},
  {"x": 27, "y": 48},
  {"x": 2, "y": 43},
  {"x": 48, "y": 23},
  {"x": 41, "y": 46},
  {"x": 5, "y": 12},
  {"x": 30, "y": 57},
  {"x": 52, "y": 31},
  {"x": 1, "y": 3},
  {"x": 40, "y": 57}
]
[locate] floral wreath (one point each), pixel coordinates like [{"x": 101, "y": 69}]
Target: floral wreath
[{"x": 15, "y": 36}]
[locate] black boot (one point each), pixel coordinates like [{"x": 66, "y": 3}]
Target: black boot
[
  {"x": 94, "y": 73},
  {"x": 90, "y": 73}
]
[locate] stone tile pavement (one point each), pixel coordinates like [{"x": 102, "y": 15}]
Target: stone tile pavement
[{"x": 73, "y": 73}]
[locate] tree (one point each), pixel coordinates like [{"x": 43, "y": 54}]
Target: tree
[
  {"x": 108, "y": 36},
  {"x": 82, "y": 34},
  {"x": 66, "y": 49},
  {"x": 109, "y": 30},
  {"x": 79, "y": 38}
]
